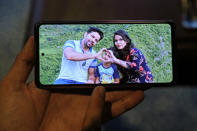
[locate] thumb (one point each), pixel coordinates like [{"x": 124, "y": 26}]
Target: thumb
[
  {"x": 23, "y": 63},
  {"x": 92, "y": 120}
]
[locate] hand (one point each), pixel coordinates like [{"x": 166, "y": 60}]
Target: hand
[
  {"x": 21, "y": 105},
  {"x": 84, "y": 112},
  {"x": 99, "y": 54},
  {"x": 26, "y": 107},
  {"x": 112, "y": 58},
  {"x": 103, "y": 107}
]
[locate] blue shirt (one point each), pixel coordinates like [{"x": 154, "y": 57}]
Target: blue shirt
[
  {"x": 76, "y": 70},
  {"x": 106, "y": 75}
]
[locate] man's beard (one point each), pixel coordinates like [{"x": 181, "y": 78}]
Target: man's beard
[{"x": 88, "y": 46}]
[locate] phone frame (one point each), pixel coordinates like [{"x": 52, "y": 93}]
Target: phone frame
[{"x": 124, "y": 86}]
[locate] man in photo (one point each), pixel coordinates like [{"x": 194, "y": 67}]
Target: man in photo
[{"x": 79, "y": 60}]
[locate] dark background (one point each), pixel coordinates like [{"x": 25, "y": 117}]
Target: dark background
[{"x": 164, "y": 108}]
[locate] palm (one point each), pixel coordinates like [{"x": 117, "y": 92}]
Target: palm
[
  {"x": 68, "y": 111},
  {"x": 20, "y": 107}
]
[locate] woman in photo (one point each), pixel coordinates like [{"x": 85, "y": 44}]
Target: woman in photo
[{"x": 130, "y": 61}]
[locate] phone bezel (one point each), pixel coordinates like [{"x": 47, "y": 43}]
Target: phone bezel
[{"x": 126, "y": 86}]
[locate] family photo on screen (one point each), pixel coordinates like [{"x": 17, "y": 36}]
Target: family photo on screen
[{"x": 105, "y": 53}]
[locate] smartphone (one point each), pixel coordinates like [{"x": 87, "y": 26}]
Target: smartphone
[{"x": 118, "y": 54}]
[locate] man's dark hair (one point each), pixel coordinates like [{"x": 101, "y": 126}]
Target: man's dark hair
[{"x": 94, "y": 29}]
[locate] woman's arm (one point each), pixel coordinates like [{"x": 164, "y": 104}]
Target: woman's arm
[
  {"x": 131, "y": 65},
  {"x": 114, "y": 60},
  {"x": 121, "y": 63}
]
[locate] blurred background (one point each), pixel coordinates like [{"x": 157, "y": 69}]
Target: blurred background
[{"x": 164, "y": 108}]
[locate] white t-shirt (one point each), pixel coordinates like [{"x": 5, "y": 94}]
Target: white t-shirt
[{"x": 76, "y": 70}]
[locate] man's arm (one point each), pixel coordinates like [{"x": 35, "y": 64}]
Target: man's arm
[
  {"x": 91, "y": 76},
  {"x": 71, "y": 54}
]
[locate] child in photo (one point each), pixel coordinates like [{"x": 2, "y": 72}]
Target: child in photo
[{"x": 107, "y": 72}]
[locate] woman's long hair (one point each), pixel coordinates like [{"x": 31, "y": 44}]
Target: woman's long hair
[{"x": 123, "y": 53}]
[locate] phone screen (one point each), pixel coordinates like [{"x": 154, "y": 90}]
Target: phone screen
[{"x": 108, "y": 53}]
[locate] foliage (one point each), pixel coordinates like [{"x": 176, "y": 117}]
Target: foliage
[{"x": 154, "y": 40}]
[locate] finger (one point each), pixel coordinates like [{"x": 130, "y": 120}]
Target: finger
[
  {"x": 122, "y": 105},
  {"x": 104, "y": 49},
  {"x": 117, "y": 95},
  {"x": 23, "y": 63},
  {"x": 126, "y": 103},
  {"x": 40, "y": 98},
  {"x": 92, "y": 119},
  {"x": 108, "y": 51},
  {"x": 111, "y": 53}
]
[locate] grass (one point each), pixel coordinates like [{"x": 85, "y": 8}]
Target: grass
[{"x": 154, "y": 40}]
